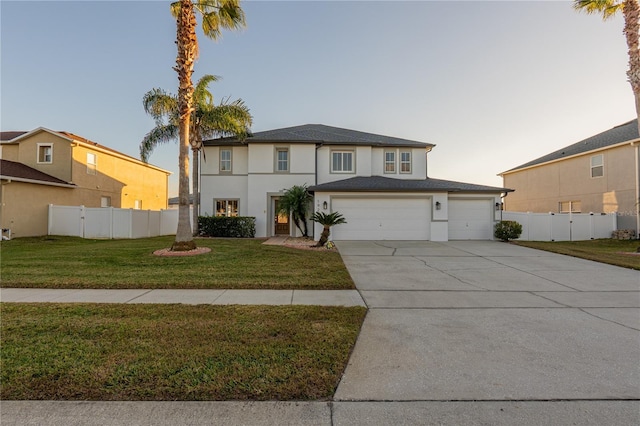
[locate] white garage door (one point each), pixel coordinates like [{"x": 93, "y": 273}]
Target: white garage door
[
  {"x": 383, "y": 219},
  {"x": 470, "y": 219}
]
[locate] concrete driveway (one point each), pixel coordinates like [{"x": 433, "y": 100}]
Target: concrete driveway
[{"x": 457, "y": 329}]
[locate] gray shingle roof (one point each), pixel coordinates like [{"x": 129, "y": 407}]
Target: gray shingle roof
[
  {"x": 385, "y": 184},
  {"x": 622, "y": 133},
  {"x": 12, "y": 169},
  {"x": 7, "y": 136},
  {"x": 321, "y": 134}
]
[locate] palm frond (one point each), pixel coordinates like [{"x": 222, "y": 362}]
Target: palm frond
[
  {"x": 607, "y": 8},
  {"x": 159, "y": 104},
  {"x": 201, "y": 93},
  {"x": 220, "y": 14},
  {"x": 158, "y": 135}
]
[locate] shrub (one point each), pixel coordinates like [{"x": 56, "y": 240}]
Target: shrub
[
  {"x": 222, "y": 226},
  {"x": 508, "y": 230}
]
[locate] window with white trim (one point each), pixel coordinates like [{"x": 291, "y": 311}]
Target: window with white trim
[
  {"x": 597, "y": 166},
  {"x": 389, "y": 161},
  {"x": 105, "y": 201},
  {"x": 228, "y": 208},
  {"x": 282, "y": 160},
  {"x": 570, "y": 207},
  {"x": 342, "y": 162},
  {"x": 225, "y": 161},
  {"x": 92, "y": 163},
  {"x": 405, "y": 162},
  {"x": 45, "y": 153}
]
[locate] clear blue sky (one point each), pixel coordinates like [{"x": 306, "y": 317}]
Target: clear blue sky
[{"x": 492, "y": 84}]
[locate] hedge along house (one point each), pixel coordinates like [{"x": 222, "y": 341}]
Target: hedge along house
[
  {"x": 379, "y": 184},
  {"x": 43, "y": 167}
]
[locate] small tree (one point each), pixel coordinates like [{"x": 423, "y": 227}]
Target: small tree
[
  {"x": 327, "y": 221},
  {"x": 295, "y": 202},
  {"x": 508, "y": 230}
]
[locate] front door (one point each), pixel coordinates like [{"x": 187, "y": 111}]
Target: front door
[{"x": 281, "y": 221}]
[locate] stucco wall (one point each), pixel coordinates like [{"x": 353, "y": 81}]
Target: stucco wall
[
  {"x": 541, "y": 189},
  {"x": 60, "y": 166}
]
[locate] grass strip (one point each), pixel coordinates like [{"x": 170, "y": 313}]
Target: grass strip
[
  {"x": 66, "y": 262},
  {"x": 613, "y": 252},
  {"x": 174, "y": 352}
]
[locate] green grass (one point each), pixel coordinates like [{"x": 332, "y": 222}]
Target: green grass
[
  {"x": 65, "y": 262},
  {"x": 606, "y": 250},
  {"x": 174, "y": 352}
]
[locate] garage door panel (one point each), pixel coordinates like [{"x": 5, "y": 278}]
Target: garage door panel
[
  {"x": 470, "y": 219},
  {"x": 383, "y": 219}
]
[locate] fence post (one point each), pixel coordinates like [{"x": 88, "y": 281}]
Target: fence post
[
  {"x": 50, "y": 219},
  {"x": 82, "y": 213}
]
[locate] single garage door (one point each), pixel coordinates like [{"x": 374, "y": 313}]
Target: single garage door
[
  {"x": 383, "y": 219},
  {"x": 470, "y": 219}
]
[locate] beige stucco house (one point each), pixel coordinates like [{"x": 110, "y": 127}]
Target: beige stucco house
[
  {"x": 43, "y": 167},
  {"x": 596, "y": 175}
]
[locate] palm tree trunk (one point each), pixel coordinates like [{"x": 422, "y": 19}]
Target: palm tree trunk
[
  {"x": 631, "y": 12},
  {"x": 324, "y": 237},
  {"x": 196, "y": 188},
  {"x": 187, "y": 52}
]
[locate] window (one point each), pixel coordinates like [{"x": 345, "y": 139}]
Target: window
[
  {"x": 390, "y": 162},
  {"x": 227, "y": 208},
  {"x": 105, "y": 201},
  {"x": 92, "y": 165},
  {"x": 405, "y": 162},
  {"x": 225, "y": 161},
  {"x": 597, "y": 166},
  {"x": 45, "y": 153},
  {"x": 137, "y": 204},
  {"x": 282, "y": 160},
  {"x": 342, "y": 162},
  {"x": 570, "y": 207}
]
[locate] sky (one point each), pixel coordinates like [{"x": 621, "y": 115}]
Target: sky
[{"x": 493, "y": 84}]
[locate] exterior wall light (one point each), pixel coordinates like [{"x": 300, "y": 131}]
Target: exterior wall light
[
  {"x": 498, "y": 206},
  {"x": 438, "y": 205},
  {"x": 325, "y": 205}
]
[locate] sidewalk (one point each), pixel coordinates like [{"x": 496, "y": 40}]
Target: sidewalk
[{"x": 187, "y": 297}]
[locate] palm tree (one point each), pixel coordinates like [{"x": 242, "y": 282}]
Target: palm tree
[
  {"x": 327, "y": 220},
  {"x": 295, "y": 202},
  {"x": 207, "y": 121},
  {"x": 631, "y": 13},
  {"x": 216, "y": 15}
]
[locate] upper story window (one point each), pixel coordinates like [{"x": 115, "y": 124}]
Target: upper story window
[
  {"x": 405, "y": 162},
  {"x": 597, "y": 166},
  {"x": 45, "y": 153},
  {"x": 390, "y": 162},
  {"x": 92, "y": 163},
  {"x": 225, "y": 161},
  {"x": 282, "y": 160},
  {"x": 342, "y": 162}
]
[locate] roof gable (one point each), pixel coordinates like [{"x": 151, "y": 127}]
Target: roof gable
[
  {"x": 323, "y": 135},
  {"x": 623, "y": 133},
  {"x": 384, "y": 184}
]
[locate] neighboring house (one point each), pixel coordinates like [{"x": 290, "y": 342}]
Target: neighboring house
[
  {"x": 43, "y": 167},
  {"x": 596, "y": 175},
  {"x": 378, "y": 183}
]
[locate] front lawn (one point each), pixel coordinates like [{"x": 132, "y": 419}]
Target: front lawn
[
  {"x": 174, "y": 352},
  {"x": 614, "y": 252},
  {"x": 66, "y": 262}
]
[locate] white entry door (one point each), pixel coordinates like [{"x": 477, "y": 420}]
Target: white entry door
[
  {"x": 470, "y": 219},
  {"x": 383, "y": 218}
]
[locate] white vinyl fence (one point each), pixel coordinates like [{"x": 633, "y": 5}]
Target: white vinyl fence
[
  {"x": 563, "y": 227},
  {"x": 109, "y": 222}
]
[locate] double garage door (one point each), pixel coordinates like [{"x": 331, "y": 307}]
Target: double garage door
[
  {"x": 383, "y": 218},
  {"x": 410, "y": 219}
]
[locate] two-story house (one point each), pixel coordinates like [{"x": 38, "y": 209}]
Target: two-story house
[
  {"x": 43, "y": 167},
  {"x": 378, "y": 183},
  {"x": 599, "y": 174}
]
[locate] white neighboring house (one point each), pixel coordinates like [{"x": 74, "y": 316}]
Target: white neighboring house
[{"x": 378, "y": 183}]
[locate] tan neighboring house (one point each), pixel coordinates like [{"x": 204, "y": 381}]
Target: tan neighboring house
[
  {"x": 43, "y": 167},
  {"x": 596, "y": 175}
]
